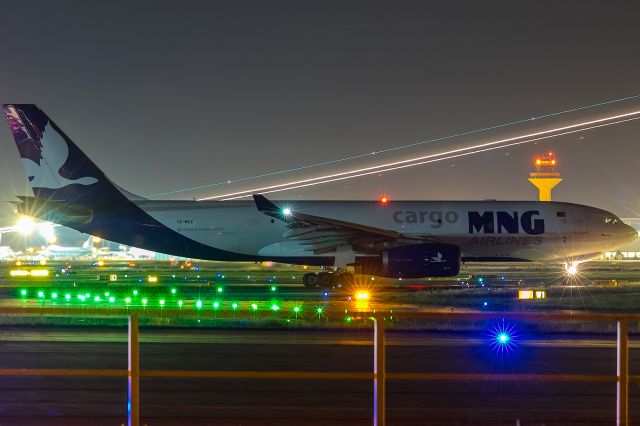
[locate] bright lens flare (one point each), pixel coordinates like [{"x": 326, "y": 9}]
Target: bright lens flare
[
  {"x": 502, "y": 337},
  {"x": 362, "y": 295},
  {"x": 571, "y": 269},
  {"x": 25, "y": 225}
]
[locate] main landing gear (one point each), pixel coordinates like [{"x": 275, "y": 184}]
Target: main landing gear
[{"x": 327, "y": 279}]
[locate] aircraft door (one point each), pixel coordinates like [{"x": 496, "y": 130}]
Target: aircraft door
[{"x": 579, "y": 222}]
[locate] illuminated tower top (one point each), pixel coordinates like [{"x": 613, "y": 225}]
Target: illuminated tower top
[
  {"x": 545, "y": 177},
  {"x": 546, "y": 165}
]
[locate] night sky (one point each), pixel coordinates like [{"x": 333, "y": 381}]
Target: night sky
[{"x": 164, "y": 95}]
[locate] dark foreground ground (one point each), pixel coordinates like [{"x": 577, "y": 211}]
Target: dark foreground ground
[{"x": 102, "y": 401}]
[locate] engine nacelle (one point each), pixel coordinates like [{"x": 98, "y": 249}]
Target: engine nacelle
[{"x": 414, "y": 261}]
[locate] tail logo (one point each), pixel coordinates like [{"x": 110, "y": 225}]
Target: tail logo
[{"x": 43, "y": 152}]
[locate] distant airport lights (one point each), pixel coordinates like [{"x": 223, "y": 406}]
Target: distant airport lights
[
  {"x": 532, "y": 294},
  {"x": 26, "y": 273},
  {"x": 295, "y": 309}
]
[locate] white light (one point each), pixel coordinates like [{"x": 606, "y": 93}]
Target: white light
[
  {"x": 286, "y": 211},
  {"x": 531, "y": 137},
  {"x": 571, "y": 268},
  {"x": 25, "y": 225}
]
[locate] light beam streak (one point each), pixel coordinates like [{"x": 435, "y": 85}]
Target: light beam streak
[
  {"x": 392, "y": 165},
  {"x": 404, "y": 166},
  {"x": 396, "y": 148}
]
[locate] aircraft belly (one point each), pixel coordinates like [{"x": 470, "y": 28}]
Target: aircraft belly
[{"x": 285, "y": 248}]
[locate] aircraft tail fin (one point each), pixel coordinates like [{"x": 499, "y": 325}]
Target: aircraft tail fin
[{"x": 56, "y": 168}]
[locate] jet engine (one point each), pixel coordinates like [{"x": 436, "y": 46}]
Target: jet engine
[{"x": 413, "y": 261}]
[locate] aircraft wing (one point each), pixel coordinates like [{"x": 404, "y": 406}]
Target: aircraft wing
[{"x": 324, "y": 235}]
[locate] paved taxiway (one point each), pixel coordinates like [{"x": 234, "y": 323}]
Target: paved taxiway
[{"x": 94, "y": 400}]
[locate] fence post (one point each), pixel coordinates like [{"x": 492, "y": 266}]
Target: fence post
[
  {"x": 133, "y": 396},
  {"x": 379, "y": 369},
  {"x": 622, "y": 409}
]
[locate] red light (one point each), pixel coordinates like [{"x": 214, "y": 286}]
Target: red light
[
  {"x": 384, "y": 200},
  {"x": 550, "y": 154}
]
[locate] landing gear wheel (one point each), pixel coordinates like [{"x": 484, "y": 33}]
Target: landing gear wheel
[
  {"x": 346, "y": 279},
  {"x": 325, "y": 279},
  {"x": 310, "y": 280}
]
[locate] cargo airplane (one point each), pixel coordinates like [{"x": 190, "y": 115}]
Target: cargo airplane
[{"x": 400, "y": 239}]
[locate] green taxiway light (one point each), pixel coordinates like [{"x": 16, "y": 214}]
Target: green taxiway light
[
  {"x": 319, "y": 310},
  {"x": 54, "y": 295},
  {"x": 275, "y": 307},
  {"x": 348, "y": 319},
  {"x": 96, "y": 299},
  {"x": 40, "y": 294},
  {"x": 180, "y": 303},
  {"x": 135, "y": 292},
  {"x": 173, "y": 291},
  {"x": 67, "y": 296},
  {"x": 220, "y": 289},
  {"x": 144, "y": 301},
  {"x": 23, "y": 292},
  {"x": 216, "y": 305},
  {"x": 254, "y": 306},
  {"x": 88, "y": 295},
  {"x": 161, "y": 302},
  {"x": 234, "y": 306},
  {"x": 106, "y": 294},
  {"x": 296, "y": 309},
  {"x": 199, "y": 304},
  {"x": 127, "y": 300},
  {"x": 273, "y": 288},
  {"x": 112, "y": 299}
]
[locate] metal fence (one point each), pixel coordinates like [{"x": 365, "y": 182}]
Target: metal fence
[{"x": 379, "y": 376}]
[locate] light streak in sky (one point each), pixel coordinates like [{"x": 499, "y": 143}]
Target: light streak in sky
[
  {"x": 435, "y": 159},
  {"x": 396, "y": 148},
  {"x": 394, "y": 165}
]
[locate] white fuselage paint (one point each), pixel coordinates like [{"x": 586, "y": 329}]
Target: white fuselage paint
[{"x": 571, "y": 231}]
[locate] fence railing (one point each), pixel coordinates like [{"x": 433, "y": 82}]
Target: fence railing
[{"x": 379, "y": 375}]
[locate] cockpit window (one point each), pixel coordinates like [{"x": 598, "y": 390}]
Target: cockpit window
[{"x": 611, "y": 220}]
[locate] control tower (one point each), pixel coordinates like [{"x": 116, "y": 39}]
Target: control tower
[{"x": 545, "y": 177}]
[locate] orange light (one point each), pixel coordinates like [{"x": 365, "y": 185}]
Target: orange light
[
  {"x": 538, "y": 162},
  {"x": 525, "y": 294},
  {"x": 362, "y": 295},
  {"x": 553, "y": 162},
  {"x": 384, "y": 200}
]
